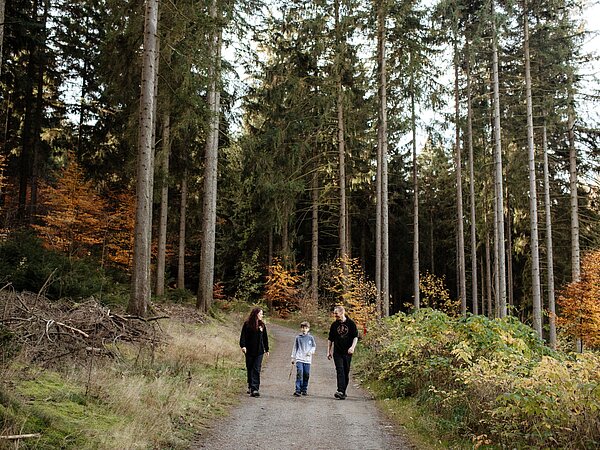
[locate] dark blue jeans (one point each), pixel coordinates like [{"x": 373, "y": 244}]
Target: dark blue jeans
[
  {"x": 302, "y": 376},
  {"x": 253, "y": 365},
  {"x": 342, "y": 369}
]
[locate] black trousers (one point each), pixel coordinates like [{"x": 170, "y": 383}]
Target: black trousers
[
  {"x": 342, "y": 369},
  {"x": 253, "y": 365}
]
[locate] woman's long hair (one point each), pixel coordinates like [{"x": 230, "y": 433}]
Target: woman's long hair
[{"x": 253, "y": 321}]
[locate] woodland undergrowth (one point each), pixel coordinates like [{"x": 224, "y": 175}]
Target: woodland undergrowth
[
  {"x": 144, "y": 385},
  {"x": 492, "y": 381}
]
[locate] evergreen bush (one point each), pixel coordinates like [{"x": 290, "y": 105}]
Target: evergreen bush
[{"x": 28, "y": 266}]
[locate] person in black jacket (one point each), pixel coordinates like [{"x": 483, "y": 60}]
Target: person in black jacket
[
  {"x": 254, "y": 343},
  {"x": 341, "y": 342}
]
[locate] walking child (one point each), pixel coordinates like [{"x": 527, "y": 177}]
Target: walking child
[{"x": 304, "y": 347}]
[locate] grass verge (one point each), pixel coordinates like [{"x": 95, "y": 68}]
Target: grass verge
[{"x": 147, "y": 398}]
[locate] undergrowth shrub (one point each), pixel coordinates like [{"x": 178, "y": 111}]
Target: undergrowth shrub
[
  {"x": 488, "y": 377},
  {"x": 28, "y": 266}
]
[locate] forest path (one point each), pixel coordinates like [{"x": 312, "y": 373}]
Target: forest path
[{"x": 278, "y": 420}]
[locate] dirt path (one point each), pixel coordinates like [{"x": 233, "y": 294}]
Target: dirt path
[{"x": 278, "y": 420}]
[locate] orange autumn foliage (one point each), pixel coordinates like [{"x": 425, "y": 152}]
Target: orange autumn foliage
[
  {"x": 120, "y": 236},
  {"x": 580, "y": 303},
  {"x": 281, "y": 289},
  {"x": 74, "y": 215}
]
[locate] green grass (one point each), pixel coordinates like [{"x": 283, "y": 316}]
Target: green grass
[{"x": 143, "y": 400}]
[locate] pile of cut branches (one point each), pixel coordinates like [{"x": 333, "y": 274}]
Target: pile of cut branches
[{"x": 47, "y": 331}]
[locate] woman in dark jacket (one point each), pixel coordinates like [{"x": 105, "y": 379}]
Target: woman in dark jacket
[{"x": 254, "y": 343}]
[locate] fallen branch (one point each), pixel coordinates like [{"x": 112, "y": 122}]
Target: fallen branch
[
  {"x": 83, "y": 333},
  {"x": 21, "y": 436}
]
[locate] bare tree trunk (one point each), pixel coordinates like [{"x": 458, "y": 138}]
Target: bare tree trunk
[
  {"x": 497, "y": 251},
  {"x": 509, "y": 248},
  {"x": 535, "y": 256},
  {"x": 140, "y": 283},
  {"x": 182, "y": 221},
  {"x": 499, "y": 214},
  {"x": 207, "y": 256},
  {"x": 431, "y": 242},
  {"x": 575, "y": 252},
  {"x": 2, "y": 7},
  {"x": 164, "y": 203},
  {"x": 488, "y": 276},
  {"x": 270, "y": 244},
  {"x": 385, "y": 257},
  {"x": 416, "y": 263},
  {"x": 314, "y": 283},
  {"x": 341, "y": 145},
  {"x": 472, "y": 198},
  {"x": 549, "y": 250},
  {"x": 462, "y": 283}
]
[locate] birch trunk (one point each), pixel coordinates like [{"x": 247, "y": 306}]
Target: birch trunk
[
  {"x": 535, "y": 257},
  {"x": 207, "y": 256},
  {"x": 140, "y": 282}
]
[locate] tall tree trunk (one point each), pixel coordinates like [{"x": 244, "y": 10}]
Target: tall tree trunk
[
  {"x": 415, "y": 255},
  {"x": 207, "y": 255},
  {"x": 314, "y": 272},
  {"x": 39, "y": 109},
  {"x": 549, "y": 245},
  {"x": 2, "y": 7},
  {"x": 431, "y": 241},
  {"x": 341, "y": 143},
  {"x": 488, "y": 276},
  {"x": 164, "y": 202},
  {"x": 459, "y": 200},
  {"x": 182, "y": 222},
  {"x": 385, "y": 257},
  {"x": 499, "y": 214},
  {"x": 140, "y": 283},
  {"x": 25, "y": 162},
  {"x": 575, "y": 252},
  {"x": 472, "y": 198},
  {"x": 533, "y": 219},
  {"x": 509, "y": 252},
  {"x": 497, "y": 251},
  {"x": 270, "y": 245}
]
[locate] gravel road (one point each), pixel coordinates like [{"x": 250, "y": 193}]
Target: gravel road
[{"x": 278, "y": 420}]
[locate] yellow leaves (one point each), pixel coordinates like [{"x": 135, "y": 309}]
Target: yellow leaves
[
  {"x": 358, "y": 294},
  {"x": 281, "y": 288},
  {"x": 435, "y": 295},
  {"x": 463, "y": 352}
]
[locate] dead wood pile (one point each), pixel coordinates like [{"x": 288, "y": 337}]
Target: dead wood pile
[{"x": 48, "y": 331}]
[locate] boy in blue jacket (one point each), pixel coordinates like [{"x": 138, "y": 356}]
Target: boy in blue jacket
[{"x": 304, "y": 347}]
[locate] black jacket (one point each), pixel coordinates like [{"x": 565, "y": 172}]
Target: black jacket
[{"x": 256, "y": 342}]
